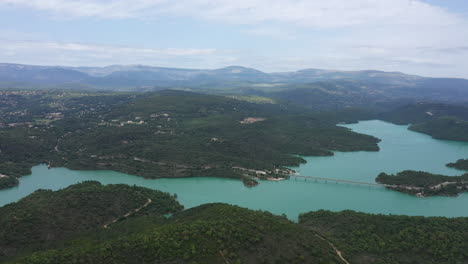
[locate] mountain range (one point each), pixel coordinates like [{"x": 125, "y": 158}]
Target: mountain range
[{"x": 303, "y": 86}]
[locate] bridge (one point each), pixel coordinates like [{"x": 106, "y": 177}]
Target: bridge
[{"x": 338, "y": 181}]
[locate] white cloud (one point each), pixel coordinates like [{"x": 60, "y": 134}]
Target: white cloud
[
  {"x": 53, "y": 53},
  {"x": 271, "y": 32},
  {"x": 66, "y": 47},
  {"x": 395, "y": 35},
  {"x": 313, "y": 13},
  {"x": 424, "y": 61}
]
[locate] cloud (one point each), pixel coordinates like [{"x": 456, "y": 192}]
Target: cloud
[
  {"x": 66, "y": 47},
  {"x": 309, "y": 13},
  {"x": 271, "y": 32},
  {"x": 454, "y": 50},
  {"x": 395, "y": 35},
  {"x": 53, "y": 53},
  {"x": 423, "y": 62}
]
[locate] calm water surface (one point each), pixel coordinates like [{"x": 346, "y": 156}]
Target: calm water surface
[{"x": 401, "y": 149}]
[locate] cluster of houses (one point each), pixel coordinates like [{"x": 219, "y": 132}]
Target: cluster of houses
[{"x": 138, "y": 120}]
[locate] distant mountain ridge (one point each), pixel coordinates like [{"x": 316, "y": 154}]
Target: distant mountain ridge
[
  {"x": 24, "y": 73},
  {"x": 350, "y": 86}
]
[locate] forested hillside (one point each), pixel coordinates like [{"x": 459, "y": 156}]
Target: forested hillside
[
  {"x": 76, "y": 231},
  {"x": 423, "y": 111},
  {"x": 72, "y": 226},
  {"x": 424, "y": 184},
  {"x": 45, "y": 219},
  {"x": 441, "y": 121},
  {"x": 365, "y": 238},
  {"x": 461, "y": 164},
  {"x": 170, "y": 134},
  {"x": 448, "y": 128}
]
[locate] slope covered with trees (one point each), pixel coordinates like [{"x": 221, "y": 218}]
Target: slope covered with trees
[
  {"x": 422, "y": 112},
  {"x": 7, "y": 181},
  {"x": 68, "y": 226},
  {"x": 448, "y": 128},
  {"x": 46, "y": 218},
  {"x": 171, "y": 134},
  {"x": 75, "y": 232},
  {"x": 365, "y": 238},
  {"x": 441, "y": 121},
  {"x": 424, "y": 183},
  {"x": 461, "y": 164}
]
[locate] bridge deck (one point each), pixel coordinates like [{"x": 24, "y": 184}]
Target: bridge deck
[{"x": 338, "y": 180}]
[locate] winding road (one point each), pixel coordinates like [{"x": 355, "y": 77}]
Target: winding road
[
  {"x": 129, "y": 213},
  {"x": 334, "y": 248}
]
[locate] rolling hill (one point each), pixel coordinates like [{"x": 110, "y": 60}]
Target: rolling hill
[
  {"x": 73, "y": 229},
  {"x": 352, "y": 87},
  {"x": 45, "y": 218},
  {"x": 77, "y": 230},
  {"x": 168, "y": 134},
  {"x": 441, "y": 121}
]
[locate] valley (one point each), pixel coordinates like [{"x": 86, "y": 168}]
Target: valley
[
  {"x": 193, "y": 156},
  {"x": 168, "y": 134},
  {"x": 400, "y": 149},
  {"x": 233, "y": 132}
]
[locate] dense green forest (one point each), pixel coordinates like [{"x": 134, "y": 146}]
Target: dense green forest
[
  {"x": 461, "y": 164},
  {"x": 168, "y": 134},
  {"x": 7, "y": 181},
  {"x": 422, "y": 112},
  {"x": 424, "y": 183},
  {"x": 441, "y": 121},
  {"x": 212, "y": 233},
  {"x": 46, "y": 218},
  {"x": 448, "y": 128},
  {"x": 365, "y": 238},
  {"x": 73, "y": 229},
  {"x": 28, "y": 132},
  {"x": 183, "y": 134}
]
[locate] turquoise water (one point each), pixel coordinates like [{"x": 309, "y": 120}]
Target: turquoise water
[{"x": 400, "y": 149}]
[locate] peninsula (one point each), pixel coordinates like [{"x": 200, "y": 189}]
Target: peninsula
[{"x": 423, "y": 184}]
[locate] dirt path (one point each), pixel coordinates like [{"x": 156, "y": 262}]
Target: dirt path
[
  {"x": 225, "y": 259},
  {"x": 334, "y": 248},
  {"x": 129, "y": 213}
]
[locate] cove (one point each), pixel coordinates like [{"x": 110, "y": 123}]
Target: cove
[{"x": 401, "y": 149}]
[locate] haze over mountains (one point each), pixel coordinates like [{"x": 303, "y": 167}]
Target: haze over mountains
[
  {"x": 138, "y": 74},
  {"x": 309, "y": 87}
]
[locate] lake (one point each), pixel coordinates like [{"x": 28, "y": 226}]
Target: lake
[{"x": 401, "y": 149}]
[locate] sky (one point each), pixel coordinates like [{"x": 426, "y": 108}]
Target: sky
[{"x": 422, "y": 37}]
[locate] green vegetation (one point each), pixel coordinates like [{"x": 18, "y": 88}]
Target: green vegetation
[
  {"x": 461, "y": 164},
  {"x": 168, "y": 134},
  {"x": 425, "y": 184},
  {"x": 7, "y": 181},
  {"x": 329, "y": 95},
  {"x": 365, "y": 238},
  {"x": 253, "y": 99},
  {"x": 441, "y": 121},
  {"x": 448, "y": 128},
  {"x": 24, "y": 147},
  {"x": 67, "y": 227},
  {"x": 213, "y": 233},
  {"x": 249, "y": 182},
  {"x": 46, "y": 218},
  {"x": 423, "y": 112},
  {"x": 322, "y": 88}
]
